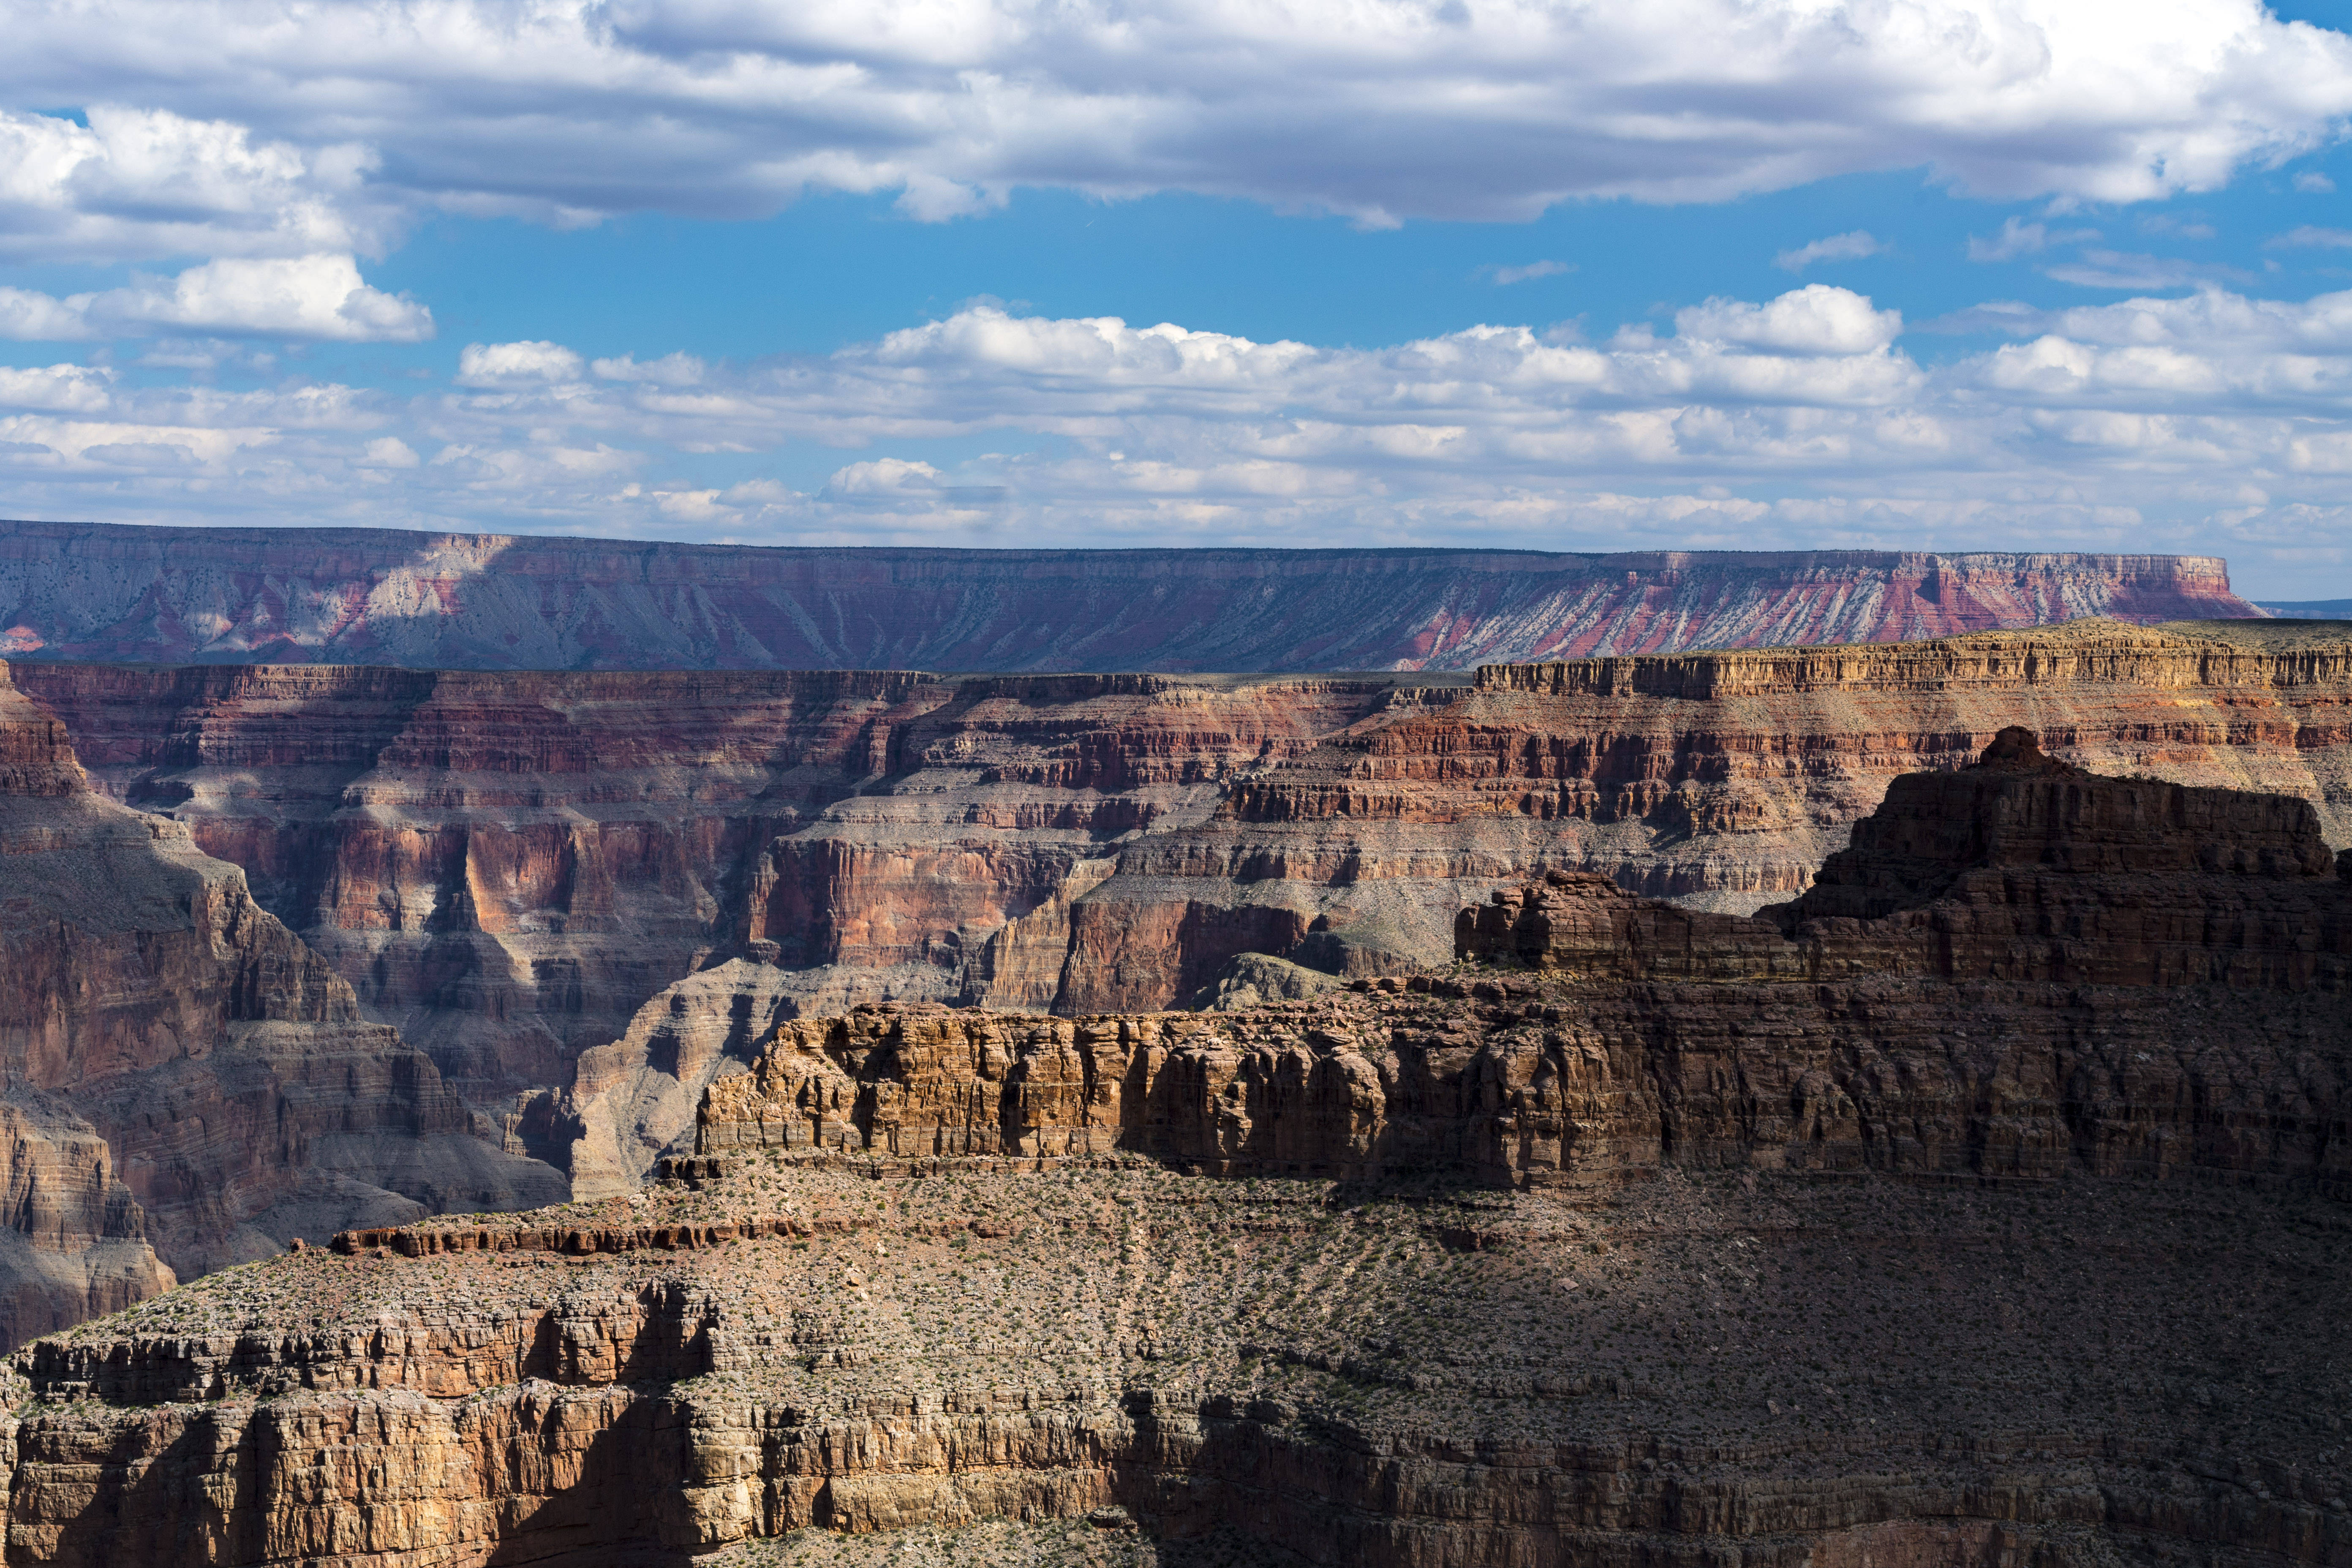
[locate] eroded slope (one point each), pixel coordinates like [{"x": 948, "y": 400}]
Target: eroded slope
[{"x": 1688, "y": 1240}]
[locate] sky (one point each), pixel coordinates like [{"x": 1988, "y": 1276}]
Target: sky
[{"x": 1676, "y": 274}]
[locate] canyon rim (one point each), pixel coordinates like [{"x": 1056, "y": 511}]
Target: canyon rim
[
  {"x": 1064, "y": 784},
  {"x": 1750, "y": 1102}
]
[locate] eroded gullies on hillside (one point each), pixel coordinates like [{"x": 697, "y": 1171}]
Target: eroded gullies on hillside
[
  {"x": 1293, "y": 1358},
  {"x": 1704, "y": 1253},
  {"x": 584, "y": 893}
]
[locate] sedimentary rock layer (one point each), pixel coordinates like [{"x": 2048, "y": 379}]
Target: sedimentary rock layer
[
  {"x": 1720, "y": 779},
  {"x": 87, "y": 591},
  {"x": 164, "y": 1039},
  {"x": 584, "y": 894},
  {"x": 1616, "y": 1264}
]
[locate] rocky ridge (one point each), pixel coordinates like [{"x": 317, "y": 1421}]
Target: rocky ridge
[
  {"x": 183, "y": 1076},
  {"x": 86, "y": 591},
  {"x": 587, "y": 894},
  {"x": 1657, "y": 1259}
]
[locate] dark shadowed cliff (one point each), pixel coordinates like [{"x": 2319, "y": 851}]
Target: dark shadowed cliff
[{"x": 88, "y": 591}]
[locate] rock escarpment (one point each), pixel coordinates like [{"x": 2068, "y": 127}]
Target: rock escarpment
[
  {"x": 2019, "y": 868},
  {"x": 1720, "y": 779},
  {"x": 1643, "y": 1260},
  {"x": 90, "y": 591},
  {"x": 1991, "y": 980},
  {"x": 584, "y": 894},
  {"x": 180, "y": 1069}
]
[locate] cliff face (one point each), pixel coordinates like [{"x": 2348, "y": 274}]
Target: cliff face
[
  {"x": 586, "y": 895},
  {"x": 1720, "y": 779},
  {"x": 2051, "y": 908},
  {"x": 521, "y": 870},
  {"x": 2016, "y": 868},
  {"x": 86, "y": 591},
  {"x": 1503, "y": 1267},
  {"x": 164, "y": 1038}
]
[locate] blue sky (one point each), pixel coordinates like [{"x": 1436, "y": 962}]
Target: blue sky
[{"x": 1952, "y": 276}]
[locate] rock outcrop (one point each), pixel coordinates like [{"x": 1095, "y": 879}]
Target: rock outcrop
[
  {"x": 521, "y": 871},
  {"x": 2049, "y": 914},
  {"x": 1644, "y": 1260},
  {"x": 2020, "y": 867},
  {"x": 1720, "y": 780},
  {"x": 90, "y": 591},
  {"x": 179, "y": 1068}
]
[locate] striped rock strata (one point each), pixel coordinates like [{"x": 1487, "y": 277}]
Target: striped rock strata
[
  {"x": 585, "y": 895},
  {"x": 155, "y": 596},
  {"x": 1644, "y": 1262},
  {"x": 178, "y": 1068}
]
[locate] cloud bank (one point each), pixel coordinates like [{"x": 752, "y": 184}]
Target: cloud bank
[
  {"x": 263, "y": 127},
  {"x": 2213, "y": 422}
]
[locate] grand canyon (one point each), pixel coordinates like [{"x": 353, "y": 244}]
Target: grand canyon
[
  {"x": 1639, "y": 1097},
  {"x": 156, "y": 594}
]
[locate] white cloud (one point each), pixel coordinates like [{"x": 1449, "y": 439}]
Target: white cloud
[
  {"x": 319, "y": 296},
  {"x": 388, "y": 452},
  {"x": 1852, "y": 246},
  {"x": 59, "y": 389},
  {"x": 2312, "y": 234},
  {"x": 500, "y": 364},
  {"x": 138, "y": 184},
  {"x": 314, "y": 297},
  {"x": 1814, "y": 320},
  {"x": 1503, "y": 277},
  {"x": 2311, "y": 182},
  {"x": 2214, "y": 421},
  {"x": 28, "y": 317},
  {"x": 2118, "y": 269},
  {"x": 2016, "y": 240},
  {"x": 670, "y": 370},
  {"x": 278, "y": 131}
]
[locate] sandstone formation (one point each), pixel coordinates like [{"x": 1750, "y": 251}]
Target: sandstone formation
[
  {"x": 1720, "y": 780},
  {"x": 178, "y": 1068},
  {"x": 518, "y": 870},
  {"x": 585, "y": 895},
  {"x": 91, "y": 591},
  {"x": 1772, "y": 1260}
]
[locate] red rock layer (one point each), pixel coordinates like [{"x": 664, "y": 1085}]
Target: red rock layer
[
  {"x": 161, "y": 1032},
  {"x": 88, "y": 590},
  {"x": 1721, "y": 779},
  {"x": 1539, "y": 1324},
  {"x": 584, "y": 894},
  {"x": 508, "y": 867}
]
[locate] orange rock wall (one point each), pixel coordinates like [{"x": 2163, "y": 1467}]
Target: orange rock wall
[{"x": 516, "y": 870}]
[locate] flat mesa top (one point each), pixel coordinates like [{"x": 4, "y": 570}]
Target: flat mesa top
[{"x": 2281, "y": 636}]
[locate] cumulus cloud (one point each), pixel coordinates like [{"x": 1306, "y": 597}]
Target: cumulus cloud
[
  {"x": 1814, "y": 320},
  {"x": 1852, "y": 247},
  {"x": 315, "y": 297},
  {"x": 294, "y": 131},
  {"x": 2018, "y": 238},
  {"x": 136, "y": 185},
  {"x": 2211, "y": 422},
  {"x": 505, "y": 364},
  {"x": 29, "y": 317}
]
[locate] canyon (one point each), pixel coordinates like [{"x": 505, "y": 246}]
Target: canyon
[
  {"x": 182, "y": 1082},
  {"x": 585, "y": 895},
  {"x": 155, "y": 594},
  {"x": 1983, "y": 1202}
]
